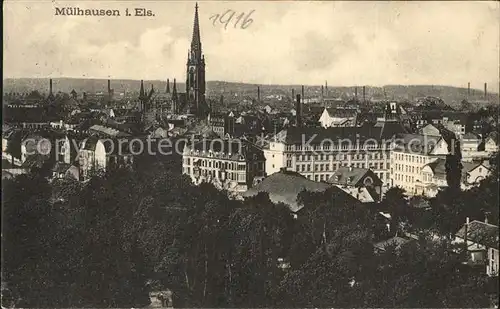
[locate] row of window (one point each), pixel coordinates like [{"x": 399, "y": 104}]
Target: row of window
[
  {"x": 326, "y": 145},
  {"x": 341, "y": 156},
  {"x": 409, "y": 158},
  {"x": 221, "y": 164},
  {"x": 405, "y": 168},
  {"x": 240, "y": 177},
  {"x": 402, "y": 177}
]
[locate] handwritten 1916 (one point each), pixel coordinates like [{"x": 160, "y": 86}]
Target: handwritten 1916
[{"x": 243, "y": 20}]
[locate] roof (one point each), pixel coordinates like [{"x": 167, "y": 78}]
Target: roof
[
  {"x": 438, "y": 167},
  {"x": 361, "y": 194},
  {"x": 285, "y": 186},
  {"x": 394, "y": 241},
  {"x": 296, "y": 135},
  {"x": 417, "y": 143},
  {"x": 481, "y": 233},
  {"x": 347, "y": 175},
  {"x": 342, "y": 112},
  {"x": 108, "y": 131}
]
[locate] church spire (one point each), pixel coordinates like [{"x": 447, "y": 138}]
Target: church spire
[
  {"x": 141, "y": 92},
  {"x": 196, "y": 40}
]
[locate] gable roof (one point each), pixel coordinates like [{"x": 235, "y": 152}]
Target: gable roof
[
  {"x": 348, "y": 176},
  {"x": 481, "y": 233},
  {"x": 438, "y": 167}
]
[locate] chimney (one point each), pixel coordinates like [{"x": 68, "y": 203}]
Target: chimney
[
  {"x": 326, "y": 87},
  {"x": 109, "y": 86},
  {"x": 258, "y": 93},
  {"x": 50, "y": 86},
  {"x": 322, "y": 92},
  {"x": 485, "y": 90},
  {"x": 303, "y": 96},
  {"x": 468, "y": 89},
  {"x": 356, "y": 92},
  {"x": 293, "y": 93},
  {"x": 364, "y": 94},
  {"x": 168, "y": 85},
  {"x": 298, "y": 109}
]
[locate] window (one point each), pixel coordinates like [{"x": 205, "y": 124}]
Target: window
[{"x": 316, "y": 178}]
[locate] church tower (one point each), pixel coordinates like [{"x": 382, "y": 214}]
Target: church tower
[{"x": 195, "y": 80}]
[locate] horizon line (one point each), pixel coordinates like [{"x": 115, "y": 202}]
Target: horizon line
[{"x": 258, "y": 84}]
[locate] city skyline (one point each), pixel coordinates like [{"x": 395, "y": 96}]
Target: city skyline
[{"x": 392, "y": 43}]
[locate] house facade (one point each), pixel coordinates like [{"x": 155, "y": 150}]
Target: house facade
[{"x": 229, "y": 164}]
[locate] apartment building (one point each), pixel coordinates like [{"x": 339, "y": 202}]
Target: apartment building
[
  {"x": 228, "y": 164},
  {"x": 409, "y": 154},
  {"x": 317, "y": 153}
]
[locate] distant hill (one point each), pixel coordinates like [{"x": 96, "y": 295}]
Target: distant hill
[{"x": 450, "y": 95}]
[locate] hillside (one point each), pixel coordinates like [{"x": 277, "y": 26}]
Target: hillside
[{"x": 449, "y": 94}]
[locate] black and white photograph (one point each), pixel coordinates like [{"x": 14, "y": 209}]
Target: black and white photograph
[{"x": 250, "y": 154}]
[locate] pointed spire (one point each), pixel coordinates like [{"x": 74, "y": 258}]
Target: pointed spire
[
  {"x": 196, "y": 40},
  {"x": 168, "y": 85},
  {"x": 151, "y": 92},
  {"x": 141, "y": 92},
  {"x": 174, "y": 90}
]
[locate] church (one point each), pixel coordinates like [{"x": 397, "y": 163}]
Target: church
[{"x": 193, "y": 101}]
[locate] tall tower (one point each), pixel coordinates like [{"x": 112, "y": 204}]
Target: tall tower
[{"x": 195, "y": 80}]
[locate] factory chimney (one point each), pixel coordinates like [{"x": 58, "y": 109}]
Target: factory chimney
[
  {"x": 298, "y": 111},
  {"x": 303, "y": 93},
  {"x": 468, "y": 89},
  {"x": 258, "y": 93},
  {"x": 364, "y": 94},
  {"x": 485, "y": 90},
  {"x": 356, "y": 92},
  {"x": 50, "y": 86}
]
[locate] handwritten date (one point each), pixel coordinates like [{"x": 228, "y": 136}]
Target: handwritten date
[{"x": 242, "y": 19}]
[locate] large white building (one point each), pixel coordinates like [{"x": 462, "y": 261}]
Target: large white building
[
  {"x": 317, "y": 153},
  {"x": 410, "y": 153}
]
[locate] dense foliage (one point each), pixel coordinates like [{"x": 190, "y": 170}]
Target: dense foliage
[{"x": 108, "y": 242}]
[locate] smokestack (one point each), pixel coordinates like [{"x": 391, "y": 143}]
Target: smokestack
[
  {"x": 322, "y": 92},
  {"x": 293, "y": 93},
  {"x": 168, "y": 85},
  {"x": 326, "y": 87},
  {"x": 364, "y": 94},
  {"x": 468, "y": 89},
  {"x": 298, "y": 109},
  {"x": 356, "y": 92},
  {"x": 258, "y": 93},
  {"x": 50, "y": 86},
  {"x": 303, "y": 93},
  {"x": 485, "y": 90},
  {"x": 109, "y": 86}
]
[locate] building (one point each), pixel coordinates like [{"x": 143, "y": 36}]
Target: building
[
  {"x": 409, "y": 154},
  {"x": 482, "y": 244},
  {"x": 317, "y": 153},
  {"x": 338, "y": 117},
  {"x": 433, "y": 176},
  {"x": 361, "y": 183},
  {"x": 195, "y": 77},
  {"x": 231, "y": 164},
  {"x": 491, "y": 143},
  {"x": 100, "y": 155}
]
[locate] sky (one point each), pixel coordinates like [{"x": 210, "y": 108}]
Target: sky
[{"x": 288, "y": 42}]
